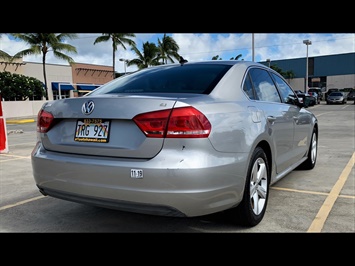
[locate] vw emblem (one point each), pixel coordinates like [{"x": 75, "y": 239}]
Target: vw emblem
[{"x": 88, "y": 108}]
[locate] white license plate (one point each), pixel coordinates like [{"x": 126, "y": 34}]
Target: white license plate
[{"x": 92, "y": 130}]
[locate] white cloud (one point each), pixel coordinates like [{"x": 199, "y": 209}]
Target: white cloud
[{"x": 201, "y": 46}]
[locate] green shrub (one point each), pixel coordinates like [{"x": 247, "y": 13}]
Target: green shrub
[{"x": 17, "y": 87}]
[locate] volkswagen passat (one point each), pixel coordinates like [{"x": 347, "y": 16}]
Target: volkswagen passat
[
  {"x": 178, "y": 140},
  {"x": 336, "y": 97}
]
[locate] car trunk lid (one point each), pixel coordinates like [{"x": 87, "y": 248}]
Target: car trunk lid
[{"x": 118, "y": 136}]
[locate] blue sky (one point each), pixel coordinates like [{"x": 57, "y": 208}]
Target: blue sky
[{"x": 202, "y": 46}]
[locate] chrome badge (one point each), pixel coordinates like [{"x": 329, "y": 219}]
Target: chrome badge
[{"x": 88, "y": 108}]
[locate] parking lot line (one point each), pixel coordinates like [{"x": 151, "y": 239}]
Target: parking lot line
[
  {"x": 20, "y": 203},
  {"x": 324, "y": 211}
]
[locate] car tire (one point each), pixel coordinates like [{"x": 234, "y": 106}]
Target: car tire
[
  {"x": 312, "y": 153},
  {"x": 251, "y": 209}
]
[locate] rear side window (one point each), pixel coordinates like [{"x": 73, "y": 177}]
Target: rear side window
[
  {"x": 248, "y": 88},
  {"x": 263, "y": 85},
  {"x": 200, "y": 79}
]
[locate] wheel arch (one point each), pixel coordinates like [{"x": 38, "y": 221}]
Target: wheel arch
[{"x": 267, "y": 149}]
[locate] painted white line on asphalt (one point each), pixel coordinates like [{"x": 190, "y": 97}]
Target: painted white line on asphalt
[
  {"x": 26, "y": 143},
  {"x": 20, "y": 203},
  {"x": 324, "y": 211},
  {"x": 311, "y": 192},
  {"x": 324, "y": 113},
  {"x": 13, "y": 157}
]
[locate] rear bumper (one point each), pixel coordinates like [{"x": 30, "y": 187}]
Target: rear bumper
[
  {"x": 114, "y": 204},
  {"x": 173, "y": 184}
]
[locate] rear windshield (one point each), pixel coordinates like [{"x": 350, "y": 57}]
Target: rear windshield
[
  {"x": 194, "y": 78},
  {"x": 336, "y": 94}
]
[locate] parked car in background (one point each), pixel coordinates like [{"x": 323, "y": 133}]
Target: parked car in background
[
  {"x": 312, "y": 99},
  {"x": 180, "y": 140},
  {"x": 336, "y": 97},
  {"x": 307, "y": 99},
  {"x": 315, "y": 96},
  {"x": 351, "y": 96},
  {"x": 318, "y": 91},
  {"x": 329, "y": 91}
]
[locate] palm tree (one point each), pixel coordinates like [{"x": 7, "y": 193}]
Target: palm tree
[
  {"x": 117, "y": 39},
  {"x": 168, "y": 49},
  {"x": 42, "y": 43},
  {"x": 216, "y": 57},
  {"x": 149, "y": 57},
  {"x": 289, "y": 74},
  {"x": 4, "y": 55},
  {"x": 237, "y": 57}
]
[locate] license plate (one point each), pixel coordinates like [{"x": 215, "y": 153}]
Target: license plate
[{"x": 92, "y": 130}]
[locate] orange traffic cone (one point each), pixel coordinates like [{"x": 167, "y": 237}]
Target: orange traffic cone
[{"x": 3, "y": 133}]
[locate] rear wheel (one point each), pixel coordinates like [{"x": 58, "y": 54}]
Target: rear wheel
[{"x": 252, "y": 208}]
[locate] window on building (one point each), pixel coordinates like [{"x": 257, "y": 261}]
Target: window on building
[
  {"x": 310, "y": 66},
  {"x": 64, "y": 94}
]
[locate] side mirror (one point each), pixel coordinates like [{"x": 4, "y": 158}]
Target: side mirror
[
  {"x": 299, "y": 103},
  {"x": 296, "y": 101}
]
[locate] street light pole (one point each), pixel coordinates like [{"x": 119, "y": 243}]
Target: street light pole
[
  {"x": 252, "y": 46},
  {"x": 307, "y": 42}
]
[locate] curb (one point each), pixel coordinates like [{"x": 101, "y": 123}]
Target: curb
[{"x": 19, "y": 121}]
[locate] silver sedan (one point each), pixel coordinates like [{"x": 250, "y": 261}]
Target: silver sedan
[
  {"x": 336, "y": 97},
  {"x": 180, "y": 140}
]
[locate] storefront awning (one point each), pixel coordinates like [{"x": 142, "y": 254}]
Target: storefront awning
[
  {"x": 86, "y": 87},
  {"x": 63, "y": 86}
]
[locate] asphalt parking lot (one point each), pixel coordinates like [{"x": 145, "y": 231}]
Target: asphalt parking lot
[{"x": 318, "y": 201}]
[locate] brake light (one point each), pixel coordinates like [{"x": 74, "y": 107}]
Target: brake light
[
  {"x": 184, "y": 122},
  {"x": 44, "y": 121}
]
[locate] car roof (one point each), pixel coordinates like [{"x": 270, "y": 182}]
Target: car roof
[{"x": 242, "y": 65}]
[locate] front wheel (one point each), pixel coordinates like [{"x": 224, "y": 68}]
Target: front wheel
[{"x": 252, "y": 208}]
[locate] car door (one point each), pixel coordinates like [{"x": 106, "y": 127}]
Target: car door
[
  {"x": 300, "y": 117},
  {"x": 279, "y": 116}
]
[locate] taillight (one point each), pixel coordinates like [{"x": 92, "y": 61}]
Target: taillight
[
  {"x": 44, "y": 121},
  {"x": 183, "y": 122}
]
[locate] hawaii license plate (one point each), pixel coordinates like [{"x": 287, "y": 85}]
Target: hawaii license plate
[{"x": 92, "y": 130}]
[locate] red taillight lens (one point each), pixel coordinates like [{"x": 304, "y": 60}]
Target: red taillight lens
[
  {"x": 153, "y": 124},
  {"x": 184, "y": 122},
  {"x": 44, "y": 121}
]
